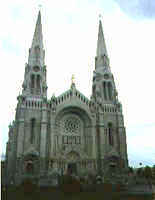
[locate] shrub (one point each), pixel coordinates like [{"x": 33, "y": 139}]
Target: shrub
[
  {"x": 28, "y": 186},
  {"x": 70, "y": 184},
  {"x": 147, "y": 172},
  {"x": 140, "y": 172},
  {"x": 107, "y": 187}
]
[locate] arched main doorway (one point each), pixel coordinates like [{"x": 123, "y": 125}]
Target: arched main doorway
[{"x": 72, "y": 158}]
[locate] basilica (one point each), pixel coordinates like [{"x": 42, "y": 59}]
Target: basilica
[{"x": 70, "y": 132}]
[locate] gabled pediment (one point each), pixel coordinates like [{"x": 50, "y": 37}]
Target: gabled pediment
[{"x": 71, "y": 94}]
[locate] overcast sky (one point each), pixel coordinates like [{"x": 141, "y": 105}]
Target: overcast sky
[{"x": 70, "y": 31}]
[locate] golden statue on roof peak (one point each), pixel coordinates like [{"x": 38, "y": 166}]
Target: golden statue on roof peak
[{"x": 73, "y": 79}]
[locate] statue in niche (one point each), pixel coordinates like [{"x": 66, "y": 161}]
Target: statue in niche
[
  {"x": 97, "y": 92},
  {"x": 53, "y": 103},
  {"x": 54, "y": 165},
  {"x": 119, "y": 105},
  {"x": 51, "y": 164},
  {"x": 98, "y": 95},
  {"x": 29, "y": 167}
]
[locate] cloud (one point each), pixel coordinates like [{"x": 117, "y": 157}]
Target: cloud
[
  {"x": 139, "y": 9},
  {"x": 138, "y": 149}
]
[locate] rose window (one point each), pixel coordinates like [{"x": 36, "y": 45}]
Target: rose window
[{"x": 71, "y": 125}]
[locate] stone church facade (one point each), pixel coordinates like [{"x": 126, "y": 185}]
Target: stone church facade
[{"x": 69, "y": 132}]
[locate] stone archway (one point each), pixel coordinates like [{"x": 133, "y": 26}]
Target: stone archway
[
  {"x": 73, "y": 128},
  {"x": 31, "y": 163},
  {"x": 72, "y": 158},
  {"x": 29, "y": 167}
]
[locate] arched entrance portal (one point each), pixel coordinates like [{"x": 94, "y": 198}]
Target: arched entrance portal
[
  {"x": 72, "y": 168},
  {"x": 72, "y": 158}
]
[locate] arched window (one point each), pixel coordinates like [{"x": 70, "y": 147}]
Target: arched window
[
  {"x": 110, "y": 134},
  {"x": 33, "y": 121},
  {"x": 94, "y": 89},
  {"x": 38, "y": 82},
  {"x": 104, "y": 90},
  {"x": 29, "y": 167},
  {"x": 110, "y": 90},
  {"x": 32, "y": 81}
]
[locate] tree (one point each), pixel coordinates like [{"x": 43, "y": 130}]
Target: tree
[
  {"x": 140, "y": 172},
  {"x": 147, "y": 172},
  {"x": 153, "y": 172},
  {"x": 131, "y": 170}
]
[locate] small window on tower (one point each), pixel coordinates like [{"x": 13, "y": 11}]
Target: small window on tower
[
  {"x": 110, "y": 134},
  {"x": 78, "y": 140},
  {"x": 105, "y": 90},
  {"x": 110, "y": 90},
  {"x": 33, "y": 121},
  {"x": 32, "y": 81},
  {"x": 38, "y": 81},
  {"x": 65, "y": 139}
]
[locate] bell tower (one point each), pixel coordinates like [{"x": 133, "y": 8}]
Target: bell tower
[
  {"x": 34, "y": 84},
  {"x": 104, "y": 89},
  {"x": 112, "y": 134}
]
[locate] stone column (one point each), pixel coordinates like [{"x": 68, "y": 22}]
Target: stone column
[
  {"x": 102, "y": 135},
  {"x": 107, "y": 92},
  {"x": 20, "y": 138},
  {"x": 123, "y": 145},
  {"x": 52, "y": 133},
  {"x": 43, "y": 136},
  {"x": 94, "y": 141}
]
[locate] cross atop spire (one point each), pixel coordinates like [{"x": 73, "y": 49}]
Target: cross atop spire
[{"x": 101, "y": 46}]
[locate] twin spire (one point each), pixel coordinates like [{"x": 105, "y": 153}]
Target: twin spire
[
  {"x": 38, "y": 38},
  {"x": 35, "y": 72},
  {"x": 37, "y": 42}
]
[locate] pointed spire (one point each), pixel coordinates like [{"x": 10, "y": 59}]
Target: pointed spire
[
  {"x": 36, "y": 52},
  {"x": 35, "y": 84},
  {"x": 37, "y": 37},
  {"x": 101, "y": 46}
]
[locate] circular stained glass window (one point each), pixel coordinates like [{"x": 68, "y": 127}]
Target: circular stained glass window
[{"x": 71, "y": 125}]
